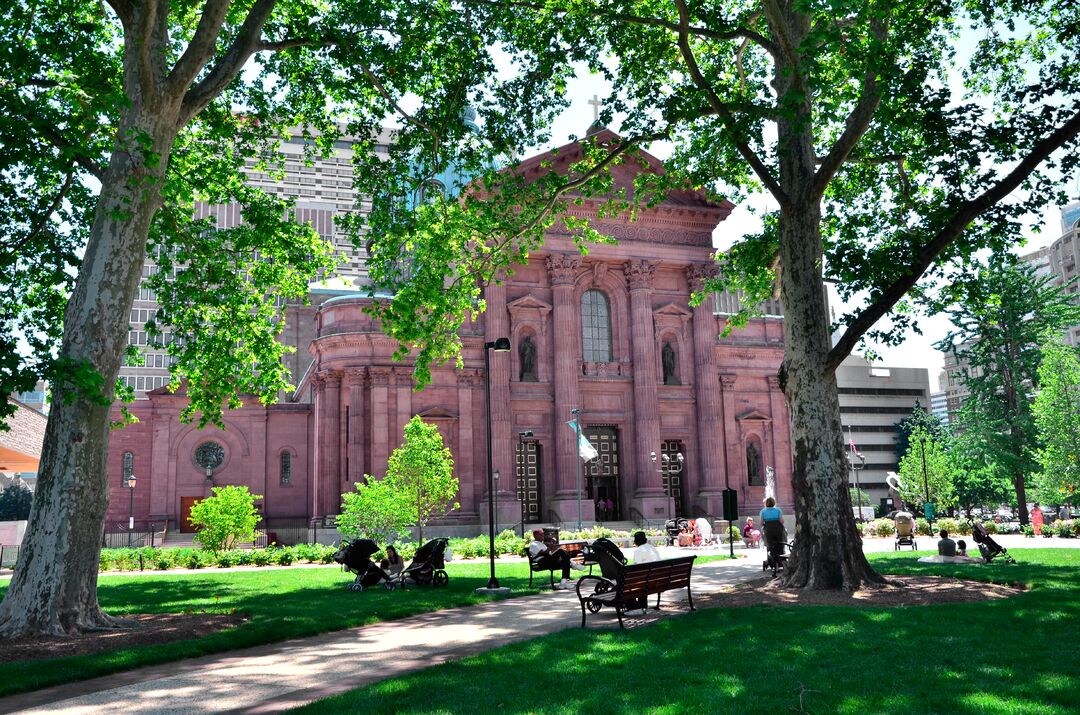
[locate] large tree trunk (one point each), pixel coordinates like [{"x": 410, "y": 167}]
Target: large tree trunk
[
  {"x": 54, "y": 588},
  {"x": 828, "y": 549}
]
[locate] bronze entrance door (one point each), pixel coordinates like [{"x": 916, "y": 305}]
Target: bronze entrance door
[
  {"x": 528, "y": 481},
  {"x": 602, "y": 473},
  {"x": 673, "y": 475},
  {"x": 186, "y": 503}
]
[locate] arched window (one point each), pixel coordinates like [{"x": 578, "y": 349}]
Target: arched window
[
  {"x": 595, "y": 327},
  {"x": 129, "y": 467},
  {"x": 286, "y": 468}
]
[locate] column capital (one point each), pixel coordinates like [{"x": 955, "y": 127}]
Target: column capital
[
  {"x": 639, "y": 274},
  {"x": 698, "y": 273},
  {"x": 403, "y": 376},
  {"x": 380, "y": 375},
  {"x": 774, "y": 382},
  {"x": 355, "y": 376},
  {"x": 728, "y": 381},
  {"x": 562, "y": 268}
]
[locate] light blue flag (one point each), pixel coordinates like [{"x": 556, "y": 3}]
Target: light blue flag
[{"x": 585, "y": 448}]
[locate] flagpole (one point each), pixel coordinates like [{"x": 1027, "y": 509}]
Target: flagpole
[{"x": 577, "y": 429}]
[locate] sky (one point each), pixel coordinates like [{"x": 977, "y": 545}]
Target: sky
[{"x": 915, "y": 351}]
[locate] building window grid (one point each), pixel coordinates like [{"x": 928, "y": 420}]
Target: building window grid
[
  {"x": 595, "y": 327},
  {"x": 128, "y": 467},
  {"x": 286, "y": 468}
]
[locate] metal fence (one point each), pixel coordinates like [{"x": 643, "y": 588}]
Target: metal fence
[
  {"x": 286, "y": 532},
  {"x": 118, "y": 536}
]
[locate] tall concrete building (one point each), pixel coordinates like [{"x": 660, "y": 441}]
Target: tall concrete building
[
  {"x": 323, "y": 191},
  {"x": 873, "y": 399},
  {"x": 1063, "y": 259}
]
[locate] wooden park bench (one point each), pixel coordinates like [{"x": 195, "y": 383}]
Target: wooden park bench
[
  {"x": 634, "y": 584},
  {"x": 575, "y": 549}
]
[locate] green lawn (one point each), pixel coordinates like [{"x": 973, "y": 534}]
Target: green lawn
[
  {"x": 282, "y": 603},
  {"x": 1018, "y": 655}
]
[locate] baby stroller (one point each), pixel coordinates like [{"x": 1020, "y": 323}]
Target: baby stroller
[
  {"x": 905, "y": 530},
  {"x": 355, "y": 556},
  {"x": 674, "y": 527},
  {"x": 428, "y": 567},
  {"x": 776, "y": 546},
  {"x": 612, "y": 562},
  {"x": 987, "y": 546}
]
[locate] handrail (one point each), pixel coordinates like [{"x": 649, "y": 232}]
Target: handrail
[
  {"x": 553, "y": 517},
  {"x": 640, "y": 520}
]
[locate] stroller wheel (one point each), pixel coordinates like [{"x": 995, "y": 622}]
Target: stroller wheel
[
  {"x": 601, "y": 587},
  {"x": 356, "y": 587},
  {"x": 440, "y": 578}
]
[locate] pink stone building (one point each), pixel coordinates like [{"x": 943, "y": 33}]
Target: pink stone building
[{"x": 610, "y": 335}]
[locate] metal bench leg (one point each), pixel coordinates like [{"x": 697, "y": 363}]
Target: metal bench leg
[
  {"x": 657, "y": 607},
  {"x": 582, "y": 613},
  {"x": 690, "y": 598}
]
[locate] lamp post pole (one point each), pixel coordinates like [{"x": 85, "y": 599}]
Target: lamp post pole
[
  {"x": 926, "y": 486},
  {"x": 499, "y": 345},
  {"x": 669, "y": 467},
  {"x": 131, "y": 507},
  {"x": 577, "y": 428},
  {"x": 523, "y": 479}
]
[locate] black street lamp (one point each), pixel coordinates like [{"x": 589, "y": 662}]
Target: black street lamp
[
  {"x": 130, "y": 485},
  {"x": 500, "y": 345},
  {"x": 523, "y": 480},
  {"x": 928, "y": 508},
  {"x": 855, "y": 467}
]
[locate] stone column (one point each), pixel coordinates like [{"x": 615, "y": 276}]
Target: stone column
[
  {"x": 380, "y": 425},
  {"x": 467, "y": 438},
  {"x": 566, "y": 371},
  {"x": 404, "y": 385},
  {"x": 355, "y": 381},
  {"x": 710, "y": 413},
  {"x": 497, "y": 325},
  {"x": 649, "y": 495},
  {"x": 329, "y": 475},
  {"x": 734, "y": 474}
]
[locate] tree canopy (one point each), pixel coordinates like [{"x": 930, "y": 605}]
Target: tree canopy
[{"x": 1057, "y": 418}]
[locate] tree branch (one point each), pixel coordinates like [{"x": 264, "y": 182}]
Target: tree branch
[
  {"x": 858, "y": 121},
  {"x": 46, "y": 212},
  {"x": 967, "y": 212},
  {"x": 123, "y": 10},
  {"x": 723, "y": 111},
  {"x": 245, "y": 44},
  {"x": 202, "y": 45},
  {"x": 60, "y": 142}
]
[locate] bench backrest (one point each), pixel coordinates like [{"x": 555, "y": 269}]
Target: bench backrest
[{"x": 655, "y": 577}]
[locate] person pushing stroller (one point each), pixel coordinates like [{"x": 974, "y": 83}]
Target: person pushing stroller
[{"x": 543, "y": 557}]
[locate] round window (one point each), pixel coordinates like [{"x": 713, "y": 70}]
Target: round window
[{"x": 209, "y": 455}]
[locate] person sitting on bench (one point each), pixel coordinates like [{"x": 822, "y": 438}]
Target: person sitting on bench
[{"x": 543, "y": 558}]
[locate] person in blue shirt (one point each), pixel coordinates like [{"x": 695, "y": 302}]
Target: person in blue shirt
[{"x": 771, "y": 512}]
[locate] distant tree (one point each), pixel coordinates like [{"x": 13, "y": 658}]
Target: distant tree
[
  {"x": 225, "y": 519},
  {"x": 421, "y": 471},
  {"x": 926, "y": 468},
  {"x": 1057, "y": 418},
  {"x": 977, "y": 480},
  {"x": 15, "y": 502},
  {"x": 376, "y": 510},
  {"x": 919, "y": 417},
  {"x": 1001, "y": 313}
]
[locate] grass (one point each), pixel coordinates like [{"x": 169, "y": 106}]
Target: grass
[
  {"x": 282, "y": 603},
  {"x": 1017, "y": 655}
]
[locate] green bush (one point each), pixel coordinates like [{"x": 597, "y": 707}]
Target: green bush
[
  {"x": 991, "y": 527},
  {"x": 226, "y": 519},
  {"x": 284, "y": 557},
  {"x": 953, "y": 526},
  {"x": 1066, "y": 529},
  {"x": 922, "y": 526},
  {"x": 882, "y": 527},
  {"x": 1028, "y": 530}
]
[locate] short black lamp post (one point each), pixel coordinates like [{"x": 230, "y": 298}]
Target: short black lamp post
[
  {"x": 130, "y": 485},
  {"x": 500, "y": 345},
  {"x": 857, "y": 461},
  {"x": 669, "y": 467},
  {"x": 522, "y": 475},
  {"x": 928, "y": 508}
]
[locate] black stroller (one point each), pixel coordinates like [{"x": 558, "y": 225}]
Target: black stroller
[
  {"x": 673, "y": 527},
  {"x": 776, "y": 546},
  {"x": 355, "y": 556},
  {"x": 987, "y": 546},
  {"x": 428, "y": 567},
  {"x": 610, "y": 558}
]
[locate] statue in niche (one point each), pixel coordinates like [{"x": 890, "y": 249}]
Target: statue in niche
[
  {"x": 753, "y": 464},
  {"x": 667, "y": 360},
  {"x": 527, "y": 360}
]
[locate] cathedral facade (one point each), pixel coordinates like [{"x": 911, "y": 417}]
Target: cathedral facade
[{"x": 604, "y": 347}]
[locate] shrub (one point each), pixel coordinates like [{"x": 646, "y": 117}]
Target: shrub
[
  {"x": 922, "y": 526},
  {"x": 1066, "y": 529},
  {"x": 225, "y": 519},
  {"x": 882, "y": 527},
  {"x": 283, "y": 557},
  {"x": 953, "y": 526},
  {"x": 1028, "y": 530},
  {"x": 991, "y": 527},
  {"x": 227, "y": 559}
]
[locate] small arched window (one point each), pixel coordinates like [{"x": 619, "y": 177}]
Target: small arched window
[
  {"x": 286, "y": 468},
  {"x": 595, "y": 327}
]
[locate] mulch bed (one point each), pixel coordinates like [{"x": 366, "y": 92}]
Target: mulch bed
[
  {"x": 900, "y": 591},
  {"x": 151, "y": 629}
]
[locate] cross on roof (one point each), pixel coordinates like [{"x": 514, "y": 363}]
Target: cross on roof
[{"x": 596, "y": 104}]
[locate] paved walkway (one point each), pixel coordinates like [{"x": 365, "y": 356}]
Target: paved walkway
[{"x": 276, "y": 677}]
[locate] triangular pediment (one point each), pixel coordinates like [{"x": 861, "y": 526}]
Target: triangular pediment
[
  {"x": 673, "y": 310},
  {"x": 528, "y": 302},
  {"x": 437, "y": 413},
  {"x": 636, "y": 162},
  {"x": 754, "y": 416}
]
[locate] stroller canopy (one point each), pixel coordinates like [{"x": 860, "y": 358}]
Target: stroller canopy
[{"x": 430, "y": 551}]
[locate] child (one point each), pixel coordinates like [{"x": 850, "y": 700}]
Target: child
[{"x": 961, "y": 548}]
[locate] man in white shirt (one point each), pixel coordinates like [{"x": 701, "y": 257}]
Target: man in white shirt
[{"x": 645, "y": 551}]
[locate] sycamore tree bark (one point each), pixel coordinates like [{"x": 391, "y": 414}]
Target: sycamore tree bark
[{"x": 54, "y": 588}]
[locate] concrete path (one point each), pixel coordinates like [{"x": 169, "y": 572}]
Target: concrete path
[{"x": 273, "y": 678}]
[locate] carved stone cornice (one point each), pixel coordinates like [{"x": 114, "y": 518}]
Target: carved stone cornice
[
  {"x": 562, "y": 268},
  {"x": 698, "y": 273},
  {"x": 470, "y": 378},
  {"x": 380, "y": 376},
  {"x": 639, "y": 274}
]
